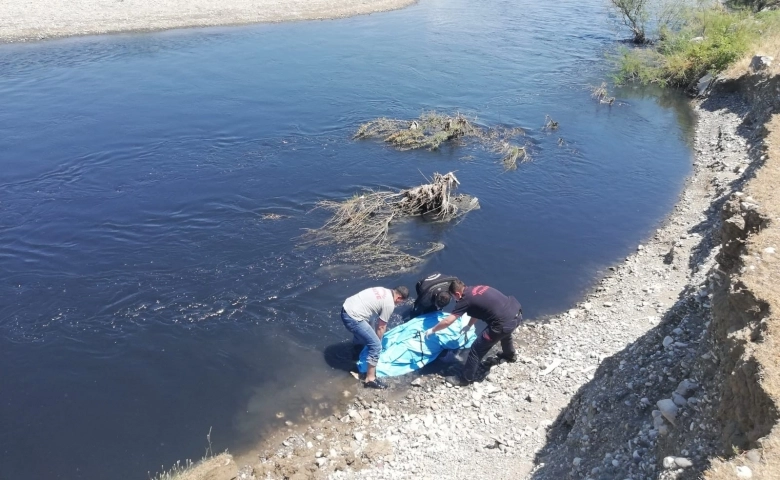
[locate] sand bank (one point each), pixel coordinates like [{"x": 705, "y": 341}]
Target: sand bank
[{"x": 30, "y": 20}]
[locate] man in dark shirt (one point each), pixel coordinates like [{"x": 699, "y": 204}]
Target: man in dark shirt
[
  {"x": 433, "y": 294},
  {"x": 502, "y": 315}
]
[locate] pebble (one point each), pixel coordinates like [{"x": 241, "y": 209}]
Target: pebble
[
  {"x": 667, "y": 341},
  {"x": 668, "y": 409},
  {"x": 679, "y": 400},
  {"x": 744, "y": 472},
  {"x": 686, "y": 387},
  {"x": 683, "y": 462}
]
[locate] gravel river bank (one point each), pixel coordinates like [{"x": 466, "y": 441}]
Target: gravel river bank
[{"x": 23, "y": 20}]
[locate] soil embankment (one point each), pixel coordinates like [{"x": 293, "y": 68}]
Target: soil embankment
[
  {"x": 668, "y": 369},
  {"x": 30, "y": 20}
]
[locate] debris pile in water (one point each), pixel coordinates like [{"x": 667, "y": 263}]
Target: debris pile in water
[
  {"x": 432, "y": 129},
  {"x": 601, "y": 94},
  {"x": 362, "y": 223}
]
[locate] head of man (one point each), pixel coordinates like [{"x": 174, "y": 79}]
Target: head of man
[
  {"x": 442, "y": 300},
  {"x": 457, "y": 288},
  {"x": 400, "y": 294}
]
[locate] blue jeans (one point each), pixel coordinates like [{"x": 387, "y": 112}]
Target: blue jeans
[{"x": 365, "y": 335}]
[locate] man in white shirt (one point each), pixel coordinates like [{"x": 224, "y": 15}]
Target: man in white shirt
[{"x": 357, "y": 313}]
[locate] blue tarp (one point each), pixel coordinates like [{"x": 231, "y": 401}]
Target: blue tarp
[{"x": 405, "y": 348}]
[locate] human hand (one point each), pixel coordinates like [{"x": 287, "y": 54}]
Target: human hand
[
  {"x": 428, "y": 332},
  {"x": 465, "y": 330}
]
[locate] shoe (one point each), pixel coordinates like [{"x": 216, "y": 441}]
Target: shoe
[
  {"x": 376, "y": 383},
  {"x": 509, "y": 358},
  {"x": 457, "y": 381},
  {"x": 491, "y": 362}
]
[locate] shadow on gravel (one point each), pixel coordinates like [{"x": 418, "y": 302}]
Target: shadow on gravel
[
  {"x": 605, "y": 431},
  {"x": 749, "y": 130}
]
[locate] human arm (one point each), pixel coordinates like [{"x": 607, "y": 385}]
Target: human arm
[
  {"x": 444, "y": 323},
  {"x": 381, "y": 327},
  {"x": 468, "y": 326}
]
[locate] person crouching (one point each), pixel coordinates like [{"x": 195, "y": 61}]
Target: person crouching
[
  {"x": 502, "y": 315},
  {"x": 357, "y": 313}
]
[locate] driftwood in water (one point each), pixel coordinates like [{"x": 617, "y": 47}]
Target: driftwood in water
[
  {"x": 362, "y": 223},
  {"x": 601, "y": 94},
  {"x": 432, "y": 129}
]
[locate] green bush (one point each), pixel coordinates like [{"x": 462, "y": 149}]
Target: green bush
[{"x": 709, "y": 41}]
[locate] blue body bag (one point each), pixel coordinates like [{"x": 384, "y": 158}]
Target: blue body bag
[{"x": 405, "y": 348}]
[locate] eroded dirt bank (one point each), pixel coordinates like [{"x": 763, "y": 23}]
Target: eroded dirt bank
[
  {"x": 668, "y": 364},
  {"x": 29, "y": 20}
]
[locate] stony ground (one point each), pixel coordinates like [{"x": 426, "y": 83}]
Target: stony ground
[
  {"x": 604, "y": 390},
  {"x": 30, "y": 20}
]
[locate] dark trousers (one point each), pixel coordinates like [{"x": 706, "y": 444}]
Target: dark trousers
[{"x": 486, "y": 340}]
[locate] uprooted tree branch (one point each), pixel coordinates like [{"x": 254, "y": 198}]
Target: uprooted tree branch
[
  {"x": 432, "y": 129},
  {"x": 362, "y": 223}
]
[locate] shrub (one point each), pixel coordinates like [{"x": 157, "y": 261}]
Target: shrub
[
  {"x": 635, "y": 15},
  {"x": 709, "y": 40}
]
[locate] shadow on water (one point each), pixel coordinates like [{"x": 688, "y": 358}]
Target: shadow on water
[{"x": 340, "y": 356}]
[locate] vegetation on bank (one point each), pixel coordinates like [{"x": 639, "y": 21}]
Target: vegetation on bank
[{"x": 678, "y": 43}]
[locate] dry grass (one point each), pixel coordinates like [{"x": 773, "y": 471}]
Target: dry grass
[
  {"x": 767, "y": 468},
  {"x": 362, "y": 223},
  {"x": 769, "y": 45},
  {"x": 432, "y": 129},
  {"x": 218, "y": 467}
]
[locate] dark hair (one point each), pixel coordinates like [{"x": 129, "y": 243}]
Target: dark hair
[
  {"x": 402, "y": 291},
  {"x": 443, "y": 299},
  {"x": 457, "y": 287}
]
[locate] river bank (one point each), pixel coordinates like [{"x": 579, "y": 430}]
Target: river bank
[
  {"x": 24, "y": 21},
  {"x": 636, "y": 381}
]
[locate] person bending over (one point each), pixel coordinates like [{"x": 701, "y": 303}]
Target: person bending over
[
  {"x": 433, "y": 294},
  {"x": 357, "y": 313},
  {"x": 502, "y": 315}
]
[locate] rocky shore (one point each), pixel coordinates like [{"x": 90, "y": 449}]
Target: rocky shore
[
  {"x": 31, "y": 20},
  {"x": 633, "y": 382}
]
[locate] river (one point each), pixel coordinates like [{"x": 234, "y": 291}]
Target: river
[{"x": 150, "y": 295}]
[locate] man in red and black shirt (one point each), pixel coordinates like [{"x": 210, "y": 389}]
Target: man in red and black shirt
[{"x": 502, "y": 315}]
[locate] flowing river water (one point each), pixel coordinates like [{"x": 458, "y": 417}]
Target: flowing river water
[{"x": 147, "y": 294}]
